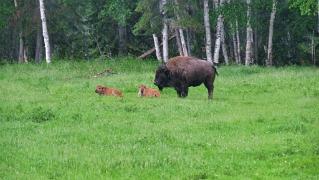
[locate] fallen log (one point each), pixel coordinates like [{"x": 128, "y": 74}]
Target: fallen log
[{"x": 149, "y": 52}]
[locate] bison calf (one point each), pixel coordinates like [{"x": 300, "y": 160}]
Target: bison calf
[
  {"x": 183, "y": 72},
  {"x": 148, "y": 92},
  {"x": 107, "y": 91}
]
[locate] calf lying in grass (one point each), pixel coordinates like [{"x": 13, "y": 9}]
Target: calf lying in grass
[
  {"x": 148, "y": 92},
  {"x": 107, "y": 91}
]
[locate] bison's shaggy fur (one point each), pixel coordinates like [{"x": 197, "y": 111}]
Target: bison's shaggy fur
[
  {"x": 148, "y": 92},
  {"x": 183, "y": 72},
  {"x": 107, "y": 91}
]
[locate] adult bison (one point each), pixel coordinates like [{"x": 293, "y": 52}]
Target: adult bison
[{"x": 183, "y": 72}]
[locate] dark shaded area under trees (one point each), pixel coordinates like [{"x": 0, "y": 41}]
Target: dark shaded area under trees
[{"x": 87, "y": 29}]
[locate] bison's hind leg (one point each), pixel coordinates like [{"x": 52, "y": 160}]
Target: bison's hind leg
[{"x": 210, "y": 86}]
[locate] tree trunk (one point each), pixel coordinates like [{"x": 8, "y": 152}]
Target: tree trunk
[
  {"x": 222, "y": 32},
  {"x": 220, "y": 36},
  {"x": 218, "y": 39},
  {"x": 21, "y": 48},
  {"x": 45, "y": 33},
  {"x": 249, "y": 41},
  {"x": 181, "y": 33},
  {"x": 256, "y": 44},
  {"x": 313, "y": 50},
  {"x": 164, "y": 31},
  {"x": 188, "y": 37},
  {"x": 235, "y": 47},
  {"x": 318, "y": 17},
  {"x": 208, "y": 33},
  {"x": 184, "y": 46},
  {"x": 25, "y": 54},
  {"x": 122, "y": 40},
  {"x": 269, "y": 61},
  {"x": 39, "y": 45},
  {"x": 238, "y": 43},
  {"x": 21, "y": 44},
  {"x": 178, "y": 43},
  {"x": 157, "y": 48}
]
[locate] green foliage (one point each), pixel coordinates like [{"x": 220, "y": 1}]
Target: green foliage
[
  {"x": 6, "y": 10},
  {"x": 119, "y": 10},
  {"x": 306, "y": 7},
  {"x": 150, "y": 20},
  {"x": 262, "y": 124}
]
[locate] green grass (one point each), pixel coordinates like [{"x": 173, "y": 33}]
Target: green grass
[{"x": 262, "y": 124}]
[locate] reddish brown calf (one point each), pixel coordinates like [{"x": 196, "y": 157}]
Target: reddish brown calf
[
  {"x": 148, "y": 92},
  {"x": 107, "y": 91}
]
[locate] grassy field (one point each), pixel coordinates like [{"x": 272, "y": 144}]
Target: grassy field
[{"x": 262, "y": 124}]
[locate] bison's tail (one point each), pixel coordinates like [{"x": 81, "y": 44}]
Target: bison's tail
[{"x": 215, "y": 69}]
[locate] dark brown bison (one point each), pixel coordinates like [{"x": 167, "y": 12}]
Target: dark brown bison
[{"x": 183, "y": 72}]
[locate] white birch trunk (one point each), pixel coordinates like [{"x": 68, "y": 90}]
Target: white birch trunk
[
  {"x": 313, "y": 50},
  {"x": 184, "y": 46},
  {"x": 249, "y": 51},
  {"x": 178, "y": 42},
  {"x": 45, "y": 33},
  {"x": 25, "y": 54},
  {"x": 220, "y": 36},
  {"x": 238, "y": 43},
  {"x": 164, "y": 31},
  {"x": 224, "y": 48},
  {"x": 208, "y": 34},
  {"x": 165, "y": 42},
  {"x": 235, "y": 47},
  {"x": 21, "y": 50},
  {"x": 318, "y": 17},
  {"x": 21, "y": 44},
  {"x": 157, "y": 48},
  {"x": 181, "y": 33},
  {"x": 218, "y": 39},
  {"x": 188, "y": 37},
  {"x": 269, "y": 61}
]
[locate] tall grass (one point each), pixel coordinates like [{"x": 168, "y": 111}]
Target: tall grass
[{"x": 262, "y": 123}]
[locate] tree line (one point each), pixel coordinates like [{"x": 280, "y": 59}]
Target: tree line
[{"x": 248, "y": 32}]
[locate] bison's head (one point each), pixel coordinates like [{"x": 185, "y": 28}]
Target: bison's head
[{"x": 162, "y": 77}]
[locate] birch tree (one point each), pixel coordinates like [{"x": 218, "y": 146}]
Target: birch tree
[
  {"x": 223, "y": 42},
  {"x": 157, "y": 48},
  {"x": 207, "y": 31},
  {"x": 249, "y": 36},
  {"x": 178, "y": 42},
  {"x": 180, "y": 33},
  {"x": 234, "y": 44},
  {"x": 220, "y": 35},
  {"x": 165, "y": 30},
  {"x": 45, "y": 33},
  {"x": 21, "y": 44},
  {"x": 238, "y": 43},
  {"x": 269, "y": 61}
]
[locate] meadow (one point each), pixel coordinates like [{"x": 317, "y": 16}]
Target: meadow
[{"x": 262, "y": 124}]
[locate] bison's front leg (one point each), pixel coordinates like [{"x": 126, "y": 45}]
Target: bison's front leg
[
  {"x": 184, "y": 92},
  {"x": 178, "y": 91}
]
